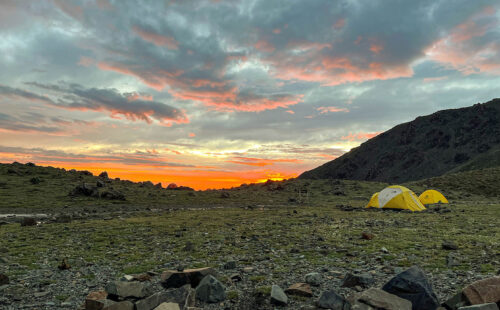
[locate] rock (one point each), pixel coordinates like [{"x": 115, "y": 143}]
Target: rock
[
  {"x": 184, "y": 295},
  {"x": 278, "y": 297},
  {"x": 64, "y": 265},
  {"x": 126, "y": 289},
  {"x": 352, "y": 280},
  {"x": 96, "y": 300},
  {"x": 230, "y": 265},
  {"x": 99, "y": 183},
  {"x": 313, "y": 279},
  {"x": 300, "y": 289},
  {"x": 112, "y": 195},
  {"x": 122, "y": 305},
  {"x": 151, "y": 302},
  {"x": 103, "y": 175},
  {"x": 382, "y": 300},
  {"x": 236, "y": 277},
  {"x": 488, "y": 306},
  {"x": 225, "y": 195},
  {"x": 28, "y": 221},
  {"x": 483, "y": 291},
  {"x": 367, "y": 236},
  {"x": 4, "y": 279},
  {"x": 174, "y": 278},
  {"x": 210, "y": 290},
  {"x": 331, "y": 300},
  {"x": 413, "y": 285},
  {"x": 456, "y": 301},
  {"x": 84, "y": 189},
  {"x": 449, "y": 245},
  {"x": 35, "y": 180},
  {"x": 168, "y": 306}
]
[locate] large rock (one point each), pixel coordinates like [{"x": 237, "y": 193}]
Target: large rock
[
  {"x": 168, "y": 306},
  {"x": 122, "y": 305},
  {"x": 352, "y": 280},
  {"x": 455, "y": 302},
  {"x": 332, "y": 300},
  {"x": 184, "y": 295},
  {"x": 382, "y": 300},
  {"x": 174, "y": 278},
  {"x": 152, "y": 301},
  {"x": 278, "y": 297},
  {"x": 300, "y": 289},
  {"x": 124, "y": 289},
  {"x": 483, "y": 291},
  {"x": 489, "y": 306},
  {"x": 210, "y": 290},
  {"x": 313, "y": 278},
  {"x": 95, "y": 300},
  {"x": 413, "y": 285},
  {"x": 28, "y": 221}
]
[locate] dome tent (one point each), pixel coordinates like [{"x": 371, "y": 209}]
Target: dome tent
[
  {"x": 373, "y": 203},
  {"x": 396, "y": 197},
  {"x": 431, "y": 196}
]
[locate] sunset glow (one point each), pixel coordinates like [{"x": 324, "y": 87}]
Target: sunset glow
[{"x": 213, "y": 94}]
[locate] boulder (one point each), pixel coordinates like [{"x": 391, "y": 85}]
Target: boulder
[
  {"x": 28, "y": 221},
  {"x": 184, "y": 295},
  {"x": 4, "y": 279},
  {"x": 382, "y": 300},
  {"x": 210, "y": 290},
  {"x": 122, "y": 305},
  {"x": 300, "y": 289},
  {"x": 483, "y": 291},
  {"x": 352, "y": 280},
  {"x": 168, "y": 306},
  {"x": 104, "y": 175},
  {"x": 413, "y": 285},
  {"x": 455, "y": 302},
  {"x": 174, "y": 278},
  {"x": 97, "y": 301},
  {"x": 331, "y": 300},
  {"x": 230, "y": 265},
  {"x": 313, "y": 278},
  {"x": 488, "y": 306},
  {"x": 278, "y": 297},
  {"x": 151, "y": 301},
  {"x": 124, "y": 289},
  {"x": 449, "y": 245}
]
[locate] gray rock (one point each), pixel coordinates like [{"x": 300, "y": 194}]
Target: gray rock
[
  {"x": 168, "y": 306},
  {"x": 122, "y": 305},
  {"x": 382, "y": 300},
  {"x": 363, "y": 280},
  {"x": 449, "y": 245},
  {"x": 152, "y": 301},
  {"x": 182, "y": 295},
  {"x": 489, "y": 306},
  {"x": 126, "y": 289},
  {"x": 455, "y": 302},
  {"x": 210, "y": 290},
  {"x": 313, "y": 279},
  {"x": 175, "y": 278},
  {"x": 278, "y": 297},
  {"x": 230, "y": 265},
  {"x": 332, "y": 300},
  {"x": 413, "y": 285}
]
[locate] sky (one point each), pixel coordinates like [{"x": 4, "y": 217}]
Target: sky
[{"x": 212, "y": 94}]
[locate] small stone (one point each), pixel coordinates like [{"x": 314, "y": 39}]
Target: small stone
[
  {"x": 4, "y": 279},
  {"x": 278, "y": 297},
  {"x": 384, "y": 250},
  {"x": 449, "y": 245},
  {"x": 367, "y": 236},
  {"x": 248, "y": 269},
  {"x": 126, "y": 289},
  {"x": 168, "y": 306},
  {"x": 483, "y": 291},
  {"x": 300, "y": 289},
  {"x": 488, "y": 306},
  {"x": 352, "y": 280},
  {"x": 313, "y": 278},
  {"x": 236, "y": 277},
  {"x": 210, "y": 290},
  {"x": 331, "y": 300},
  {"x": 230, "y": 265},
  {"x": 174, "y": 278}
]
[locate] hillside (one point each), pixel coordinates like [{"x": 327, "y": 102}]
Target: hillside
[{"x": 445, "y": 141}]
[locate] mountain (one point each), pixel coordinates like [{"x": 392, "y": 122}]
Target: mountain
[{"x": 446, "y": 141}]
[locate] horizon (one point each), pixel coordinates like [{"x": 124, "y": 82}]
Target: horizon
[{"x": 214, "y": 94}]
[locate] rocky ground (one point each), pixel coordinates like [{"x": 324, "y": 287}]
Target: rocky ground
[{"x": 249, "y": 250}]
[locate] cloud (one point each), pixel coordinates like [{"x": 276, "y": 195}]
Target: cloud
[
  {"x": 324, "y": 110},
  {"x": 360, "y": 136},
  {"x": 16, "y": 93},
  {"x": 132, "y": 106},
  {"x": 155, "y": 38}
]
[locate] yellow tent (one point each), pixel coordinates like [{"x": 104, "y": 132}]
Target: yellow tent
[
  {"x": 432, "y": 196},
  {"x": 396, "y": 197},
  {"x": 373, "y": 203}
]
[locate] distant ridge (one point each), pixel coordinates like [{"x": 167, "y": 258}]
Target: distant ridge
[{"x": 446, "y": 141}]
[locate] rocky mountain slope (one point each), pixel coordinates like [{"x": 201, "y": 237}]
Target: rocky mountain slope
[{"x": 446, "y": 141}]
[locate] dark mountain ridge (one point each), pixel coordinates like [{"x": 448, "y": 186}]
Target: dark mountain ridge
[{"x": 445, "y": 141}]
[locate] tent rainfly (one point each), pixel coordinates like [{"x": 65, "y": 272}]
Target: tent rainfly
[
  {"x": 431, "y": 196},
  {"x": 396, "y": 197}
]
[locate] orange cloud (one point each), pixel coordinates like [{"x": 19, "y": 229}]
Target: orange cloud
[
  {"x": 260, "y": 162},
  {"x": 323, "y": 110},
  {"x": 155, "y": 38},
  {"x": 376, "y": 48},
  {"x": 361, "y": 136},
  {"x": 264, "y": 46},
  {"x": 339, "y": 24}
]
